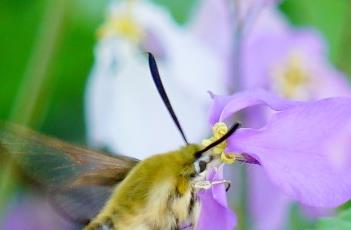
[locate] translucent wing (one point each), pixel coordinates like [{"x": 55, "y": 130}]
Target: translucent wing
[
  {"x": 78, "y": 178},
  {"x": 80, "y": 204},
  {"x": 55, "y": 163}
]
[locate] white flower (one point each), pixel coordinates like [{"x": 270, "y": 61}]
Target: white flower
[{"x": 124, "y": 110}]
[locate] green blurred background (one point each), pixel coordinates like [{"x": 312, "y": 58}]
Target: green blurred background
[
  {"x": 59, "y": 106},
  {"x": 46, "y": 53}
]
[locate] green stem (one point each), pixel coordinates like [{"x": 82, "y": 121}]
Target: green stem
[
  {"x": 343, "y": 60},
  {"x": 243, "y": 218},
  {"x": 33, "y": 97}
]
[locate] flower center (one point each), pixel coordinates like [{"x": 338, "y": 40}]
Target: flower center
[
  {"x": 291, "y": 80},
  {"x": 123, "y": 24},
  {"x": 219, "y": 129}
]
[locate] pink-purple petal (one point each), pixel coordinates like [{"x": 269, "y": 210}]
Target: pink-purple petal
[
  {"x": 225, "y": 106},
  {"x": 215, "y": 213},
  {"x": 263, "y": 193},
  {"x": 295, "y": 148}
]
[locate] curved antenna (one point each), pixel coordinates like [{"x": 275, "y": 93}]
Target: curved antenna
[
  {"x": 161, "y": 90},
  {"x": 220, "y": 140}
]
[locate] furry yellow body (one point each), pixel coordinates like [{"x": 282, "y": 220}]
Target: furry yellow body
[{"x": 156, "y": 194}]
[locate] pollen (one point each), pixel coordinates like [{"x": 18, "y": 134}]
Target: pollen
[
  {"x": 219, "y": 130},
  {"x": 228, "y": 158}
]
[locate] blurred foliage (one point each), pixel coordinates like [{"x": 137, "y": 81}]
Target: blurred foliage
[
  {"x": 298, "y": 220},
  {"x": 341, "y": 222},
  {"x": 181, "y": 9},
  {"x": 331, "y": 18},
  {"x": 19, "y": 22}
]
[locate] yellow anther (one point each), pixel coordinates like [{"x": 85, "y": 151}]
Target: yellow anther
[
  {"x": 219, "y": 149},
  {"x": 219, "y": 129},
  {"x": 228, "y": 158}
]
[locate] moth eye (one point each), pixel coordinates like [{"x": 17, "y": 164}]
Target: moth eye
[{"x": 202, "y": 166}]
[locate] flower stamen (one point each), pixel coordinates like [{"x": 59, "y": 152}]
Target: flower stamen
[
  {"x": 292, "y": 79},
  {"x": 219, "y": 130},
  {"x": 123, "y": 24}
]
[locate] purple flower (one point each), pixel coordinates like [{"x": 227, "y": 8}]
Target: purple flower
[
  {"x": 295, "y": 146},
  {"x": 275, "y": 56},
  {"x": 265, "y": 18},
  {"x": 287, "y": 61},
  {"x": 292, "y": 63},
  {"x": 215, "y": 213}
]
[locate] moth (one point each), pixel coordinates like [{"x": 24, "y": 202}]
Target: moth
[{"x": 105, "y": 192}]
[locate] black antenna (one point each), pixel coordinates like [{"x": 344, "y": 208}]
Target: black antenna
[
  {"x": 220, "y": 140},
  {"x": 161, "y": 90}
]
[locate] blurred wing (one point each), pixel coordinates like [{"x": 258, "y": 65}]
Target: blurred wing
[
  {"x": 79, "y": 180},
  {"x": 56, "y": 163},
  {"x": 80, "y": 204}
]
